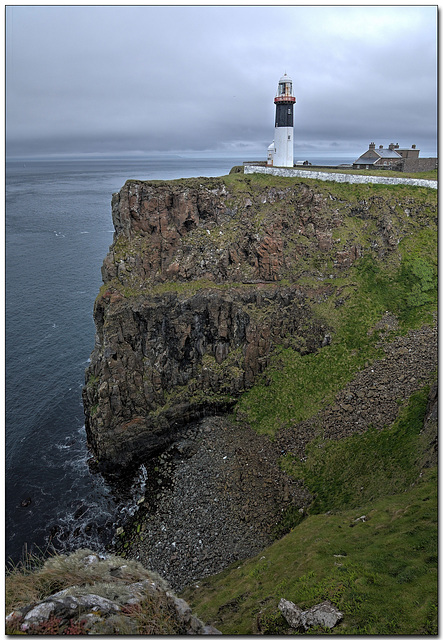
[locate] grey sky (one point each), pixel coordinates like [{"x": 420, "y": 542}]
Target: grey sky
[{"x": 112, "y": 79}]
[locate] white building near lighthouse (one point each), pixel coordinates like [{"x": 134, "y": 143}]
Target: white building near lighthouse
[{"x": 281, "y": 151}]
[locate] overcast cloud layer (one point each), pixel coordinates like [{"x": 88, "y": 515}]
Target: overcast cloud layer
[{"x": 107, "y": 79}]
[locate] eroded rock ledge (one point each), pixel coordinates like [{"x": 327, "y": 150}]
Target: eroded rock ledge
[{"x": 202, "y": 283}]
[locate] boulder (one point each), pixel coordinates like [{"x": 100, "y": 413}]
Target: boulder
[{"x": 322, "y": 615}]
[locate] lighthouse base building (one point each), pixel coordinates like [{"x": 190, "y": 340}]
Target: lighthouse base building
[{"x": 281, "y": 151}]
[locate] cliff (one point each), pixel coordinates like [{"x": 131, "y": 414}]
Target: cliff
[{"x": 208, "y": 278}]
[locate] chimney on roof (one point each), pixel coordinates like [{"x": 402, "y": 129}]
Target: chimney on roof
[
  {"x": 391, "y": 146},
  {"x": 381, "y": 146},
  {"x": 413, "y": 146},
  {"x": 372, "y": 145}
]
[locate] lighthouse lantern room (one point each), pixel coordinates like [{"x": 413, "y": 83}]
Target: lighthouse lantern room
[{"x": 284, "y": 125}]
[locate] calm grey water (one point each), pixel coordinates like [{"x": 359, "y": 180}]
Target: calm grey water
[{"x": 58, "y": 230}]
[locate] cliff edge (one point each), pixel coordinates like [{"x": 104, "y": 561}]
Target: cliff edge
[{"x": 207, "y": 278}]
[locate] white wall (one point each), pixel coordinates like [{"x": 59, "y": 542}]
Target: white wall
[{"x": 339, "y": 177}]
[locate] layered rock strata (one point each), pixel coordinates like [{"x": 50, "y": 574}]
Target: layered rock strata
[
  {"x": 166, "y": 360},
  {"x": 202, "y": 283}
]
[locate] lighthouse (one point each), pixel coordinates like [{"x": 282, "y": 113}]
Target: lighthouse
[{"x": 283, "y": 151}]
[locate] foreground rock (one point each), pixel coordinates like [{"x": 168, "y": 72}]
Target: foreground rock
[
  {"x": 111, "y": 596},
  {"x": 320, "y": 615}
]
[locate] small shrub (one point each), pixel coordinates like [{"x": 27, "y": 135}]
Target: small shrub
[
  {"x": 271, "y": 622},
  {"x": 154, "y": 616}
]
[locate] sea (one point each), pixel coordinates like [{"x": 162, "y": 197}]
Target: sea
[{"x": 58, "y": 229}]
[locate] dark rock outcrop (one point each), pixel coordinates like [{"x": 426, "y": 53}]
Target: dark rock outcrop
[{"x": 163, "y": 361}]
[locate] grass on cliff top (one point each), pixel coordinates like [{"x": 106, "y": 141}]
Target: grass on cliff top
[
  {"x": 380, "y": 570},
  {"x": 241, "y": 183},
  {"x": 432, "y": 174},
  {"x": 348, "y": 190}
]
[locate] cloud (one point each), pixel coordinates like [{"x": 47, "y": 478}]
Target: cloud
[{"x": 119, "y": 79}]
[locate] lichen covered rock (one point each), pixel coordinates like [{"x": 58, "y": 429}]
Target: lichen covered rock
[
  {"x": 320, "y": 615},
  {"x": 110, "y": 596}
]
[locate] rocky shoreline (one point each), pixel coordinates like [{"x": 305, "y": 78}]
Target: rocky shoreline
[{"x": 217, "y": 496}]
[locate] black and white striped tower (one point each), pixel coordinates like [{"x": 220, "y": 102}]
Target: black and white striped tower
[{"x": 284, "y": 124}]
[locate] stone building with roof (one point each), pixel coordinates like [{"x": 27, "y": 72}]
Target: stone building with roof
[{"x": 394, "y": 158}]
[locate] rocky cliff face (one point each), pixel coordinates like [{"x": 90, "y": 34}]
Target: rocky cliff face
[{"x": 204, "y": 280}]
